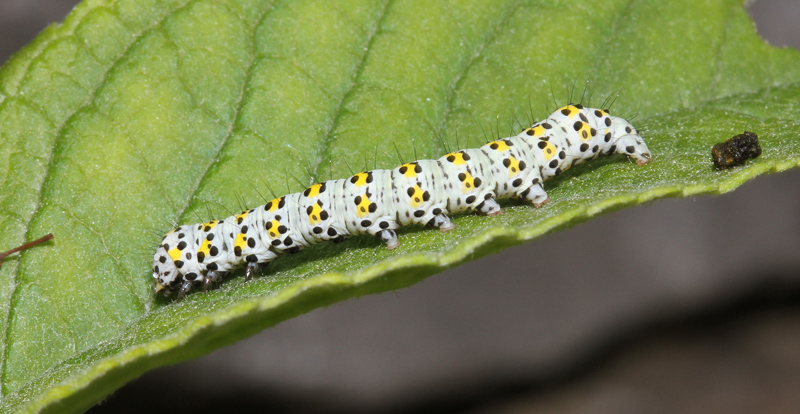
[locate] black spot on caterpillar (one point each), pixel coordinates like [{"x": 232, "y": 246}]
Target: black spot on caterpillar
[
  {"x": 736, "y": 151},
  {"x": 420, "y": 192}
]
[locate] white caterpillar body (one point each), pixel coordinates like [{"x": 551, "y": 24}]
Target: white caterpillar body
[{"x": 379, "y": 201}]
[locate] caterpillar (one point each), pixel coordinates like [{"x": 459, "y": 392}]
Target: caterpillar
[
  {"x": 735, "y": 151},
  {"x": 379, "y": 201}
]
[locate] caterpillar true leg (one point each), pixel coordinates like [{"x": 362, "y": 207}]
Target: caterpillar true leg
[
  {"x": 209, "y": 279},
  {"x": 252, "y": 268},
  {"x": 185, "y": 288}
]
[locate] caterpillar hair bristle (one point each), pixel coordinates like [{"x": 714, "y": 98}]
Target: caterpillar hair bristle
[{"x": 257, "y": 192}]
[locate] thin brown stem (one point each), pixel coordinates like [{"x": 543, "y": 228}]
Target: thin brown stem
[{"x": 25, "y": 246}]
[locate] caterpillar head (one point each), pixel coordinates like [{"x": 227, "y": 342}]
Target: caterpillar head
[
  {"x": 628, "y": 141},
  {"x": 167, "y": 261}
]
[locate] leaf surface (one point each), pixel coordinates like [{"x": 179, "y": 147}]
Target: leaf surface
[{"x": 135, "y": 114}]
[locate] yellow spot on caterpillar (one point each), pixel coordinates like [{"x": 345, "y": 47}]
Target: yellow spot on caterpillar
[
  {"x": 416, "y": 197},
  {"x": 273, "y": 230},
  {"x": 361, "y": 179},
  {"x": 410, "y": 171},
  {"x": 363, "y": 206},
  {"x": 468, "y": 183},
  {"x": 242, "y": 216},
  {"x": 313, "y": 191},
  {"x": 273, "y": 206},
  {"x": 538, "y": 130},
  {"x": 513, "y": 166},
  {"x": 549, "y": 150},
  {"x": 205, "y": 248},
  {"x": 210, "y": 225},
  {"x": 585, "y": 132},
  {"x": 174, "y": 254},
  {"x": 498, "y": 145},
  {"x": 569, "y": 110},
  {"x": 314, "y": 215},
  {"x": 241, "y": 241},
  {"x": 456, "y": 158}
]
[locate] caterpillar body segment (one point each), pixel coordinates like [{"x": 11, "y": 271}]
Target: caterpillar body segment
[{"x": 377, "y": 202}]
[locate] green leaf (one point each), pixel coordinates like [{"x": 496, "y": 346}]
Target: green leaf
[{"x": 133, "y": 114}]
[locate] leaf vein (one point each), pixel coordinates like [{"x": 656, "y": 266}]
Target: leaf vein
[
  {"x": 459, "y": 78},
  {"x": 114, "y": 258}
]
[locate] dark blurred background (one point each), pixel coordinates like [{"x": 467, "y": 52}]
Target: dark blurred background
[{"x": 683, "y": 306}]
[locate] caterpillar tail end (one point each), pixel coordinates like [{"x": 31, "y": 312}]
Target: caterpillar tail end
[
  {"x": 539, "y": 205},
  {"x": 644, "y": 159}
]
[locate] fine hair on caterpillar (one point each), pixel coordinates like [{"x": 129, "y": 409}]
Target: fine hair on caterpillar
[{"x": 379, "y": 201}]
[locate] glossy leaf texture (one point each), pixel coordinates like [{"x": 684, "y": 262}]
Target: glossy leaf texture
[{"x": 135, "y": 114}]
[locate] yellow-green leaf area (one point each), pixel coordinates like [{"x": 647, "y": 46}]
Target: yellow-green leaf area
[{"x": 133, "y": 115}]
